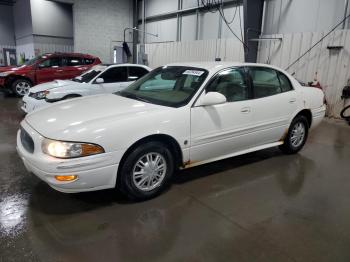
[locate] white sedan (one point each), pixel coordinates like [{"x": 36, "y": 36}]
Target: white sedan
[
  {"x": 100, "y": 79},
  {"x": 178, "y": 116}
]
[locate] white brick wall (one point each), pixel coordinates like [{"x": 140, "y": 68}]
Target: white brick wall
[{"x": 99, "y": 24}]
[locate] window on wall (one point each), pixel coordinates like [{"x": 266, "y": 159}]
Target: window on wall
[
  {"x": 265, "y": 82},
  {"x": 231, "y": 83}
]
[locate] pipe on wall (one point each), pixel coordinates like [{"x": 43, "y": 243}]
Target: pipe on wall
[{"x": 345, "y": 12}]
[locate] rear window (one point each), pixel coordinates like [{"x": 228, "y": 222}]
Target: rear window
[
  {"x": 73, "y": 61},
  {"x": 88, "y": 61},
  {"x": 136, "y": 72},
  {"x": 114, "y": 75}
]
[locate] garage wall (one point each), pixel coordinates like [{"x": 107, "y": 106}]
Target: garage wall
[
  {"x": 23, "y": 29},
  {"x": 208, "y": 23},
  {"x": 7, "y": 28},
  {"x": 330, "y": 67},
  {"x": 99, "y": 25},
  {"x": 52, "y": 26},
  {"x": 200, "y": 50},
  {"x": 286, "y": 16}
]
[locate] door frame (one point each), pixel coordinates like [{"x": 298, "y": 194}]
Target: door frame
[{"x": 5, "y": 50}]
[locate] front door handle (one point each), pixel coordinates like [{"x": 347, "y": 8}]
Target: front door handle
[
  {"x": 292, "y": 100},
  {"x": 245, "y": 110}
]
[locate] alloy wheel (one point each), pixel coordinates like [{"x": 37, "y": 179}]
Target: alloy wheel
[
  {"x": 298, "y": 134},
  {"x": 149, "y": 171},
  {"x": 22, "y": 88}
]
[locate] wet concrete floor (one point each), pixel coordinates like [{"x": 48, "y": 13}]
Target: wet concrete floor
[{"x": 263, "y": 206}]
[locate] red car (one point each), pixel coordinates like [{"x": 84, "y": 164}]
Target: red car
[{"x": 45, "y": 68}]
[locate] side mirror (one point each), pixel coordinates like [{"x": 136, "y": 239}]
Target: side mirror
[
  {"x": 41, "y": 66},
  {"x": 212, "y": 98},
  {"x": 99, "y": 80}
]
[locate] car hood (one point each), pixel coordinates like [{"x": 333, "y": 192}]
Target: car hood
[
  {"x": 6, "y": 68},
  {"x": 71, "y": 119},
  {"x": 53, "y": 84},
  {"x": 15, "y": 69}
]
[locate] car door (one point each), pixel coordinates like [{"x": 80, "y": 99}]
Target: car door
[
  {"x": 113, "y": 79},
  {"x": 72, "y": 67},
  {"x": 221, "y": 130},
  {"x": 48, "y": 70},
  {"x": 275, "y": 101}
]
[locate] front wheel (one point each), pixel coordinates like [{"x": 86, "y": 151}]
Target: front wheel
[
  {"x": 296, "y": 136},
  {"x": 146, "y": 171},
  {"x": 21, "y": 87}
]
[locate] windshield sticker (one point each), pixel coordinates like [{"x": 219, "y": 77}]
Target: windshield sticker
[{"x": 193, "y": 72}]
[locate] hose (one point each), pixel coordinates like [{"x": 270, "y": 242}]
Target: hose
[{"x": 346, "y": 117}]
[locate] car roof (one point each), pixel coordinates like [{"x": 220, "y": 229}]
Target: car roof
[
  {"x": 129, "y": 64},
  {"x": 216, "y": 66},
  {"x": 69, "y": 54}
]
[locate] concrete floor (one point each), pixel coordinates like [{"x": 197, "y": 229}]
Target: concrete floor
[{"x": 263, "y": 206}]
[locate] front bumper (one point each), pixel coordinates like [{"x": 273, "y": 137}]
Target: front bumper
[
  {"x": 94, "y": 172},
  {"x": 30, "y": 104}
]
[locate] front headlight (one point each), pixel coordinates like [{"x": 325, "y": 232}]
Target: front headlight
[
  {"x": 4, "y": 74},
  {"x": 41, "y": 95},
  {"x": 61, "y": 149}
]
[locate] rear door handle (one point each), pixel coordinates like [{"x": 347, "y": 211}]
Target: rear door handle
[
  {"x": 245, "y": 110},
  {"x": 292, "y": 100}
]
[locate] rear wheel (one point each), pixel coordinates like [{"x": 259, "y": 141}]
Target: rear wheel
[
  {"x": 297, "y": 135},
  {"x": 146, "y": 171},
  {"x": 20, "y": 87}
]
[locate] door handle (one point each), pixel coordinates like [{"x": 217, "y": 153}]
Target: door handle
[
  {"x": 245, "y": 110},
  {"x": 292, "y": 100}
]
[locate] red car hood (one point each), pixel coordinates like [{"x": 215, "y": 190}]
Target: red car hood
[
  {"x": 6, "y": 68},
  {"x": 22, "y": 68}
]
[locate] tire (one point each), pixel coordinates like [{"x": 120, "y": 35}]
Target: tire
[
  {"x": 296, "y": 136},
  {"x": 20, "y": 87},
  {"x": 134, "y": 177}
]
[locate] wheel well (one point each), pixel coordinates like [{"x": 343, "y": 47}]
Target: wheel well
[
  {"x": 307, "y": 114},
  {"x": 172, "y": 144},
  {"x": 10, "y": 79},
  {"x": 71, "y": 95}
]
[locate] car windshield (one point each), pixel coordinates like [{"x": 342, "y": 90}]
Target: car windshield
[
  {"x": 33, "y": 60},
  {"x": 88, "y": 76},
  {"x": 172, "y": 86}
]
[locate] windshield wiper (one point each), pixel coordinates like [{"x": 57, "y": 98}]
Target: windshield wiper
[{"x": 132, "y": 96}]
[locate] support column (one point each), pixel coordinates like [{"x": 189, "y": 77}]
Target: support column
[{"x": 253, "y": 13}]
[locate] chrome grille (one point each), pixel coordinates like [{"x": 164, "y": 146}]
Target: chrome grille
[{"x": 27, "y": 141}]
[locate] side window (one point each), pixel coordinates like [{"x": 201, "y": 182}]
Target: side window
[
  {"x": 136, "y": 73},
  {"x": 50, "y": 62},
  {"x": 285, "y": 83},
  {"x": 73, "y": 61},
  {"x": 88, "y": 61},
  {"x": 115, "y": 74},
  {"x": 231, "y": 83},
  {"x": 265, "y": 82}
]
